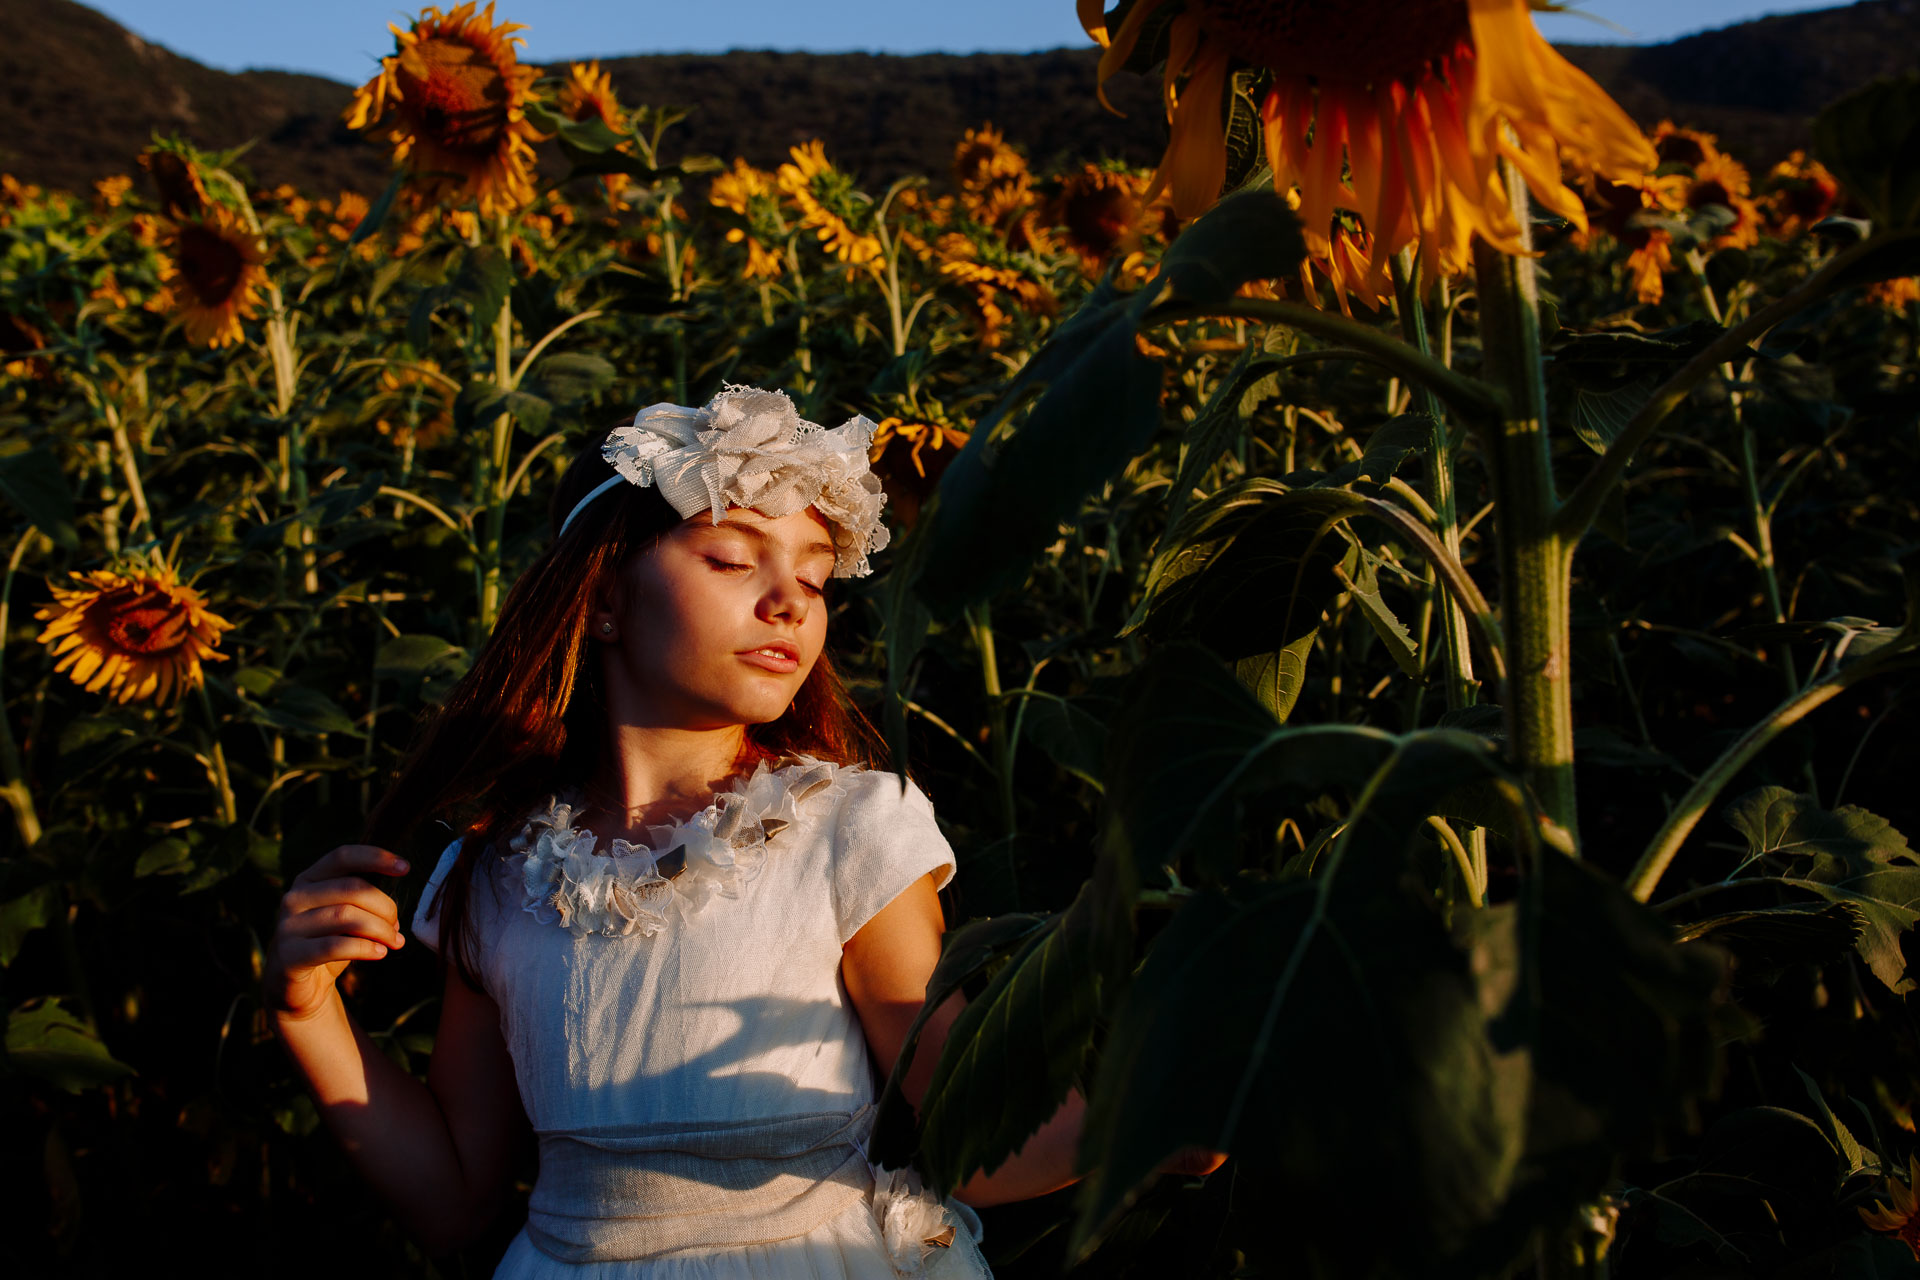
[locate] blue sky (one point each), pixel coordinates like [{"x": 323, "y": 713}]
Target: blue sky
[{"x": 344, "y": 38}]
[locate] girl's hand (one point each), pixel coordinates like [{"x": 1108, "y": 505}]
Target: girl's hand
[
  {"x": 329, "y": 918},
  {"x": 1194, "y": 1161}
]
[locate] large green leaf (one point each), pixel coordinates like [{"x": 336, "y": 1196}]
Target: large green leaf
[
  {"x": 46, "y": 1042},
  {"x": 1331, "y": 1035},
  {"x": 1847, "y": 856},
  {"x": 964, "y": 952},
  {"x": 1220, "y": 419},
  {"x": 1014, "y": 1053},
  {"x": 1003, "y": 498},
  {"x": 1265, "y": 586}
]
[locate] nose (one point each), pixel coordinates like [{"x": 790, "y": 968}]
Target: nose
[{"x": 784, "y": 600}]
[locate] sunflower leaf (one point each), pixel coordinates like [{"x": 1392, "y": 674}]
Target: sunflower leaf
[
  {"x": 46, "y": 1042},
  {"x": 1870, "y": 139}
]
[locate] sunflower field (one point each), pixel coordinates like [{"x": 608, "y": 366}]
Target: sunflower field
[{"x": 1408, "y": 614}]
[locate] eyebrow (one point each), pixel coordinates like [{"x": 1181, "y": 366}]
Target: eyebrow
[{"x": 812, "y": 548}]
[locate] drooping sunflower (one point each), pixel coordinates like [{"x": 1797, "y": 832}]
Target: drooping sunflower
[
  {"x": 459, "y": 91},
  {"x": 134, "y": 632},
  {"x": 1902, "y": 1216},
  {"x": 909, "y": 458},
  {"x": 1397, "y": 110},
  {"x": 588, "y": 95},
  {"x": 212, "y": 270},
  {"x": 1722, "y": 180},
  {"x": 989, "y": 283}
]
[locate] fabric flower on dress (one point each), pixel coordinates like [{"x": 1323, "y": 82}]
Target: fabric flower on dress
[
  {"x": 723, "y": 848},
  {"x": 750, "y": 448},
  {"x": 913, "y": 1221}
]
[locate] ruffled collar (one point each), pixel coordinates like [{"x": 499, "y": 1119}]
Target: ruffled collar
[{"x": 638, "y": 888}]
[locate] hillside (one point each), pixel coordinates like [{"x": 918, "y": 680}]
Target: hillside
[{"x": 83, "y": 94}]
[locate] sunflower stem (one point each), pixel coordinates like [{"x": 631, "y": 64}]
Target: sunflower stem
[
  {"x": 1536, "y": 562},
  {"x": 497, "y": 483},
  {"x": 13, "y": 778},
  {"x": 980, "y": 623},
  {"x": 129, "y": 468},
  {"x": 229, "y": 812}
]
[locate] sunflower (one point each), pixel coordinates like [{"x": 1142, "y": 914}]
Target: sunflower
[
  {"x": 177, "y": 178},
  {"x": 211, "y": 269},
  {"x": 909, "y": 458},
  {"x": 1800, "y": 192},
  {"x": 1612, "y": 207},
  {"x": 823, "y": 196},
  {"x": 460, "y": 93},
  {"x": 1720, "y": 179},
  {"x": 1099, "y": 211},
  {"x": 1900, "y": 1218},
  {"x": 133, "y": 633},
  {"x": 1397, "y": 110},
  {"x": 110, "y": 193},
  {"x": 982, "y": 158},
  {"x": 588, "y": 95},
  {"x": 1897, "y": 294},
  {"x": 422, "y": 396},
  {"x": 20, "y": 343},
  {"x": 751, "y": 193},
  {"x": 988, "y": 283}
]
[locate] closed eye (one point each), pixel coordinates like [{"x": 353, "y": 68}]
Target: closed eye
[{"x": 723, "y": 565}]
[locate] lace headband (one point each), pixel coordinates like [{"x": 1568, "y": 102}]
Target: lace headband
[{"x": 750, "y": 448}]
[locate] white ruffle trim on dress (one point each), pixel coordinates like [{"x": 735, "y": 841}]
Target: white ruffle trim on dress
[
  {"x": 563, "y": 881},
  {"x": 914, "y": 1222}
]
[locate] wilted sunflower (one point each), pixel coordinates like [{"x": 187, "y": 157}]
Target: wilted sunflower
[
  {"x": 960, "y": 262},
  {"x": 750, "y": 193},
  {"x": 1099, "y": 212},
  {"x": 1398, "y": 110},
  {"x": 1902, "y": 1217},
  {"x": 460, "y": 92},
  {"x": 1800, "y": 192},
  {"x": 909, "y": 458},
  {"x": 133, "y": 633},
  {"x": 211, "y": 268}
]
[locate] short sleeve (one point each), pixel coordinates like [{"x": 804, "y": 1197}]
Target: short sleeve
[
  {"x": 425, "y": 929},
  {"x": 884, "y": 841}
]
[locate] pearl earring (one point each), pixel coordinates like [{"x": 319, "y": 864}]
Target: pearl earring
[{"x": 606, "y": 628}]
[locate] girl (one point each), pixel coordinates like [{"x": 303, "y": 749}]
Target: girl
[{"x": 686, "y": 921}]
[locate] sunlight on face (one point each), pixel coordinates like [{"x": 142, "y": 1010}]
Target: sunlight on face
[{"x": 719, "y": 624}]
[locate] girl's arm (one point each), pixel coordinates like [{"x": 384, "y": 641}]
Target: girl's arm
[
  {"x": 886, "y": 966},
  {"x": 440, "y": 1153}
]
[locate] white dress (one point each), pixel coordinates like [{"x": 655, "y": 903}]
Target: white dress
[{"x": 685, "y": 1047}]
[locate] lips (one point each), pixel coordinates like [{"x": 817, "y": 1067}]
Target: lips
[{"x": 780, "y": 656}]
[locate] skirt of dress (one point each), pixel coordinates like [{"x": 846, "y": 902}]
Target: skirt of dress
[{"x": 848, "y": 1246}]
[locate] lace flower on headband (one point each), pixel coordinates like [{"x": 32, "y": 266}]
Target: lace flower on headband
[{"x": 750, "y": 448}]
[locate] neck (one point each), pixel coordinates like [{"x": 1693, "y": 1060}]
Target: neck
[{"x": 652, "y": 774}]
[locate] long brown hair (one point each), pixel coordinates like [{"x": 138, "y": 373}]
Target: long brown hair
[{"x": 529, "y": 716}]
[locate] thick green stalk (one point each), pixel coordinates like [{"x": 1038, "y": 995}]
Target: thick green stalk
[
  {"x": 1536, "y": 563},
  {"x": 229, "y": 811}
]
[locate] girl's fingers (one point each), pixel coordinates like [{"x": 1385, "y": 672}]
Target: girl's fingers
[
  {"x": 311, "y": 953},
  {"x": 326, "y": 893},
  {"x": 345, "y": 919},
  {"x": 350, "y": 859}
]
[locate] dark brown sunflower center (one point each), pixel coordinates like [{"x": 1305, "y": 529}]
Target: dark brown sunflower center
[
  {"x": 1709, "y": 192},
  {"x": 1097, "y": 218},
  {"x": 210, "y": 264},
  {"x": 454, "y": 95},
  {"x": 146, "y": 624},
  {"x": 1361, "y": 41},
  {"x": 1681, "y": 149}
]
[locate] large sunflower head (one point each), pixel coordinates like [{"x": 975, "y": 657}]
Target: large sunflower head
[
  {"x": 828, "y": 205},
  {"x": 752, "y": 196},
  {"x": 134, "y": 632},
  {"x": 1398, "y": 111},
  {"x": 212, "y": 269},
  {"x": 459, "y": 93},
  {"x": 588, "y": 94}
]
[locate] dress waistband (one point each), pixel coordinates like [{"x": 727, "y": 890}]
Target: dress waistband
[{"x": 634, "y": 1193}]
